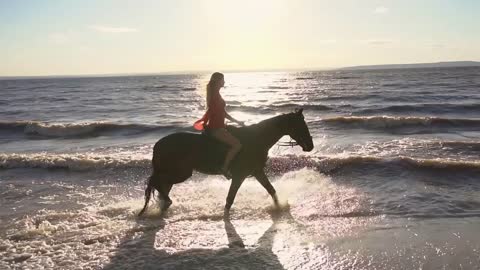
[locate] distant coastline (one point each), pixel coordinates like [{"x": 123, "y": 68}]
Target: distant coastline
[
  {"x": 188, "y": 72},
  {"x": 417, "y": 65}
]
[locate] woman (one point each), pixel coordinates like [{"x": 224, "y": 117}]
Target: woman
[{"x": 214, "y": 120}]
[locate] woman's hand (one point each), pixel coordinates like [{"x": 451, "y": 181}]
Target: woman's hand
[{"x": 241, "y": 123}]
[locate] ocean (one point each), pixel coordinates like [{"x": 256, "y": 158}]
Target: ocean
[{"x": 392, "y": 183}]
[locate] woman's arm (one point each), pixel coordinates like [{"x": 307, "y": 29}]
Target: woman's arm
[{"x": 229, "y": 117}]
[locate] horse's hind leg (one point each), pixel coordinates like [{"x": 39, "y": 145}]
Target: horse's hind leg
[
  {"x": 156, "y": 181},
  {"x": 163, "y": 189},
  {"x": 164, "y": 186},
  {"x": 163, "y": 195}
]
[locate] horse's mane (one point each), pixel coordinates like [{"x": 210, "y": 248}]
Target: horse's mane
[
  {"x": 272, "y": 120},
  {"x": 250, "y": 130}
]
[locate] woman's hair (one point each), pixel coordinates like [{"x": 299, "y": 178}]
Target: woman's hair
[{"x": 213, "y": 85}]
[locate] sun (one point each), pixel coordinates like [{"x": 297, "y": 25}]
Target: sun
[
  {"x": 245, "y": 33},
  {"x": 250, "y": 13},
  {"x": 246, "y": 15}
]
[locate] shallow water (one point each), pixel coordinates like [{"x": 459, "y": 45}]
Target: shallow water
[{"x": 392, "y": 183}]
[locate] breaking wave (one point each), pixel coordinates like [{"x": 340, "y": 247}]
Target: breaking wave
[
  {"x": 382, "y": 122},
  {"x": 275, "y": 165},
  {"x": 34, "y": 128},
  {"x": 280, "y": 107},
  {"x": 431, "y": 108}
]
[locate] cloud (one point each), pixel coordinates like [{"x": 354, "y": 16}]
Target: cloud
[
  {"x": 109, "y": 29},
  {"x": 381, "y": 10}
]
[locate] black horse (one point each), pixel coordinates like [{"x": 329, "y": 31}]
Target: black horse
[{"x": 177, "y": 155}]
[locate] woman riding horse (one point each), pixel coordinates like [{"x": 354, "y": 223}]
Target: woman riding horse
[
  {"x": 177, "y": 155},
  {"x": 214, "y": 121}
]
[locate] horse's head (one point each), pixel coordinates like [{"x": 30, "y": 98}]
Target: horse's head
[{"x": 297, "y": 129}]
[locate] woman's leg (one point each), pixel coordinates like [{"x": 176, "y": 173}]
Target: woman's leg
[{"x": 224, "y": 136}]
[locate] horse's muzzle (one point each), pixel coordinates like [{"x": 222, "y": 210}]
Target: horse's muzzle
[{"x": 307, "y": 147}]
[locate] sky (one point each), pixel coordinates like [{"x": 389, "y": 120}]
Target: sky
[{"x": 60, "y": 37}]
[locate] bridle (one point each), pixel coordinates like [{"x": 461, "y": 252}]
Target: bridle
[{"x": 291, "y": 143}]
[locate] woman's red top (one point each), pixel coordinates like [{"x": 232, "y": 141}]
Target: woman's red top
[{"x": 214, "y": 117}]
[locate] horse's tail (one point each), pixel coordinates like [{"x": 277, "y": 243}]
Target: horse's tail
[{"x": 148, "y": 194}]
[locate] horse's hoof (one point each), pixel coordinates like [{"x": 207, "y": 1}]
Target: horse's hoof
[
  {"x": 166, "y": 205},
  {"x": 275, "y": 200}
]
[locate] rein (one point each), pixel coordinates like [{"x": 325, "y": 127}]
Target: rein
[{"x": 291, "y": 143}]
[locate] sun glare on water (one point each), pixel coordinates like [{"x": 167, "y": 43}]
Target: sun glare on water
[{"x": 248, "y": 93}]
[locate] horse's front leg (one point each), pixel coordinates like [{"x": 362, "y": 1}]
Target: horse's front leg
[
  {"x": 232, "y": 192},
  {"x": 263, "y": 179}
]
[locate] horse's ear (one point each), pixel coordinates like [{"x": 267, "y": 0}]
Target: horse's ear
[{"x": 299, "y": 111}]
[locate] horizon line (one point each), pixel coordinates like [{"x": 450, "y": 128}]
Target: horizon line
[
  {"x": 191, "y": 72},
  {"x": 178, "y": 72}
]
